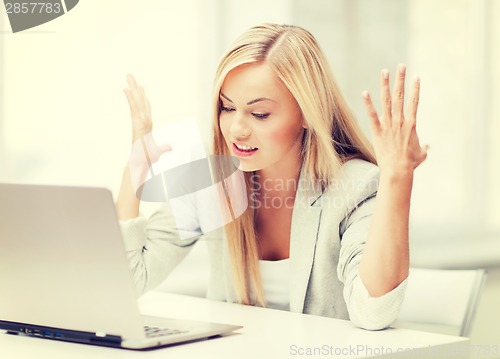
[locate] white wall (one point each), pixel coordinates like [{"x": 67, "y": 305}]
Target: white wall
[{"x": 65, "y": 117}]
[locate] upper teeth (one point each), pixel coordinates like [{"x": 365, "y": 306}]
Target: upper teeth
[{"x": 243, "y": 147}]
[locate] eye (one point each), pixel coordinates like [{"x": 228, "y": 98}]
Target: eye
[
  {"x": 260, "y": 116},
  {"x": 226, "y": 108}
]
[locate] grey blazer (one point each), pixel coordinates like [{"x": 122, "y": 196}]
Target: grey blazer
[{"x": 328, "y": 234}]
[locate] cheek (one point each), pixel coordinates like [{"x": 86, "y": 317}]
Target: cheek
[
  {"x": 283, "y": 135},
  {"x": 278, "y": 137},
  {"x": 223, "y": 127}
]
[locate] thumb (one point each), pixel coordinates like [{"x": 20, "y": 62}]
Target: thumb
[
  {"x": 424, "y": 151},
  {"x": 164, "y": 148}
]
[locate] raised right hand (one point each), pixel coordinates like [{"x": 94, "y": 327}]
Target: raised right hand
[
  {"x": 140, "y": 109},
  {"x": 145, "y": 150}
]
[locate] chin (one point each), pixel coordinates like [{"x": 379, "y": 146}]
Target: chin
[{"x": 248, "y": 167}]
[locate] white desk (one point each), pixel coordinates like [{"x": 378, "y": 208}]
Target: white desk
[{"x": 267, "y": 333}]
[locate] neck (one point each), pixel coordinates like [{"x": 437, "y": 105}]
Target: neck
[{"x": 278, "y": 182}]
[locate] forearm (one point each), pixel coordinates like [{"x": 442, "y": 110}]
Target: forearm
[
  {"x": 127, "y": 203},
  {"x": 385, "y": 261},
  {"x": 134, "y": 175}
]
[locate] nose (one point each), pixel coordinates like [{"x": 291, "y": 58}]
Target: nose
[{"x": 239, "y": 128}]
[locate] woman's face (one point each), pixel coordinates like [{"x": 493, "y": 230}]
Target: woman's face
[{"x": 260, "y": 120}]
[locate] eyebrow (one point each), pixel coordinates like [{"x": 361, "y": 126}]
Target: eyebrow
[{"x": 250, "y": 102}]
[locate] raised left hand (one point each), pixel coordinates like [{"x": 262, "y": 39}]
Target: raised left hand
[{"x": 395, "y": 140}]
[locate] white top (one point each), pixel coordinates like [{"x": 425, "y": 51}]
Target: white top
[{"x": 275, "y": 280}]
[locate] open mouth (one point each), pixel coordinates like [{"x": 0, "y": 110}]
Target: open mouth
[{"x": 244, "y": 150}]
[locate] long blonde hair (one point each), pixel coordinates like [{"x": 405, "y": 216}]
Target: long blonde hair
[{"x": 331, "y": 137}]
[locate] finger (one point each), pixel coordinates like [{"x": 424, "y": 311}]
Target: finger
[
  {"x": 165, "y": 148},
  {"x": 131, "y": 82},
  {"x": 414, "y": 98},
  {"x": 131, "y": 100},
  {"x": 385, "y": 95},
  {"x": 399, "y": 95},
  {"x": 132, "y": 88},
  {"x": 144, "y": 107},
  {"x": 153, "y": 147},
  {"x": 137, "y": 102},
  {"x": 372, "y": 112},
  {"x": 424, "y": 152},
  {"x": 135, "y": 90},
  {"x": 144, "y": 99}
]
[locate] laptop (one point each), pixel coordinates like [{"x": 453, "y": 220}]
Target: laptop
[{"x": 64, "y": 273}]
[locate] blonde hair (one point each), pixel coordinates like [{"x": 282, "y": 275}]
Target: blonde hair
[{"x": 332, "y": 134}]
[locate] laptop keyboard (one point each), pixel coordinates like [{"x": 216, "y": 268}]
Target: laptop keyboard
[{"x": 153, "y": 332}]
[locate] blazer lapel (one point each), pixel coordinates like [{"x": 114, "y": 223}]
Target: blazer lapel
[{"x": 305, "y": 224}]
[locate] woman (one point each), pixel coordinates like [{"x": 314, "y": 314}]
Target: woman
[{"x": 326, "y": 229}]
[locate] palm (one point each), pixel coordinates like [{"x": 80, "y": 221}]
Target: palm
[
  {"x": 140, "y": 109},
  {"x": 395, "y": 139}
]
